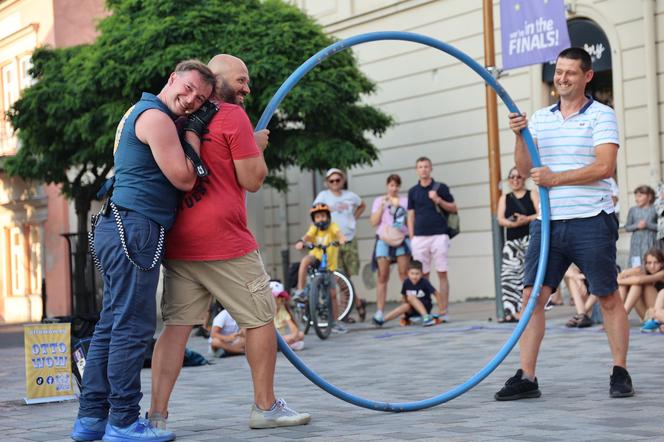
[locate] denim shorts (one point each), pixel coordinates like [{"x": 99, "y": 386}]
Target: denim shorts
[
  {"x": 383, "y": 249},
  {"x": 590, "y": 243}
]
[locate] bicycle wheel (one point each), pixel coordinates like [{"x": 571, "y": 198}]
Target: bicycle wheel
[
  {"x": 345, "y": 294},
  {"x": 301, "y": 313},
  {"x": 320, "y": 306}
]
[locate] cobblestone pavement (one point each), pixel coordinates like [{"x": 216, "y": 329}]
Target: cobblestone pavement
[{"x": 397, "y": 364}]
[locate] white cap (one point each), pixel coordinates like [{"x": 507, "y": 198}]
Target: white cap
[
  {"x": 276, "y": 287},
  {"x": 333, "y": 171}
]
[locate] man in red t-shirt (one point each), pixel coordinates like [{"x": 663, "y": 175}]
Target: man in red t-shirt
[{"x": 210, "y": 252}]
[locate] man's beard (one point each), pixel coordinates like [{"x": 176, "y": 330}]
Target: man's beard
[{"x": 229, "y": 95}]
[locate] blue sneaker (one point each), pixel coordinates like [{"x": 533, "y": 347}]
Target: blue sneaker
[
  {"x": 428, "y": 321},
  {"x": 299, "y": 295},
  {"x": 140, "y": 430},
  {"x": 88, "y": 428},
  {"x": 651, "y": 325}
]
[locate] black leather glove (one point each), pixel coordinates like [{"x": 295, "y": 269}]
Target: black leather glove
[
  {"x": 197, "y": 122},
  {"x": 190, "y": 153}
]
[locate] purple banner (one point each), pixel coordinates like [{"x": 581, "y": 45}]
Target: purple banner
[{"x": 533, "y": 31}]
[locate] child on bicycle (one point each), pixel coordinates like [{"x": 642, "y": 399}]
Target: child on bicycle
[
  {"x": 416, "y": 294},
  {"x": 283, "y": 319},
  {"x": 323, "y": 232}
]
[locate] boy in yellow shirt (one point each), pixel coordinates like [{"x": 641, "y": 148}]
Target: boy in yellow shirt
[{"x": 322, "y": 232}]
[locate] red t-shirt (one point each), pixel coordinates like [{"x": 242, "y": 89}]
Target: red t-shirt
[{"x": 211, "y": 223}]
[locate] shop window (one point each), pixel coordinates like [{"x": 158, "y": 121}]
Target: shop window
[{"x": 587, "y": 34}]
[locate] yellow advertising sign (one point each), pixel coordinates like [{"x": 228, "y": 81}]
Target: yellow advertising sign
[{"x": 47, "y": 363}]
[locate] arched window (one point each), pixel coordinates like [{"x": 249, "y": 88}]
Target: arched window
[{"x": 585, "y": 33}]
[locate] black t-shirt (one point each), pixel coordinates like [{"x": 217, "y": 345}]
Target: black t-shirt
[
  {"x": 423, "y": 290},
  {"x": 428, "y": 221},
  {"x": 524, "y": 206}
]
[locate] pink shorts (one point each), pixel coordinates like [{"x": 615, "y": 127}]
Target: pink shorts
[{"x": 431, "y": 251}]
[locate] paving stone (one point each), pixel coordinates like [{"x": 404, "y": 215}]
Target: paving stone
[{"x": 397, "y": 364}]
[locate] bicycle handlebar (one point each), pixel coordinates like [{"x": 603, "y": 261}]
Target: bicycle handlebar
[{"x": 323, "y": 247}]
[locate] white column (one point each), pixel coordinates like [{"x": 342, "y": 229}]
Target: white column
[{"x": 652, "y": 94}]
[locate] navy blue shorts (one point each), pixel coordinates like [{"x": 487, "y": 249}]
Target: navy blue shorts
[
  {"x": 590, "y": 243},
  {"x": 426, "y": 301}
]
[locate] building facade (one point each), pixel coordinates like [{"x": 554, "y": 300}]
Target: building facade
[
  {"x": 439, "y": 109},
  {"x": 34, "y": 258}
]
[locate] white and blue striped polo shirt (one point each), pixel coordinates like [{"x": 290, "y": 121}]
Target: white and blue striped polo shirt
[{"x": 570, "y": 144}]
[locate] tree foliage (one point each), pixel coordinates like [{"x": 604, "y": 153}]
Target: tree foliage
[{"x": 66, "y": 122}]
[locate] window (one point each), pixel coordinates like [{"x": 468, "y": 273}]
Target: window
[
  {"x": 17, "y": 260},
  {"x": 26, "y": 64},
  {"x": 9, "y": 84},
  {"x": 35, "y": 260},
  {"x": 9, "y": 96}
]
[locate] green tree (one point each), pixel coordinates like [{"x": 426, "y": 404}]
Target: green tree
[{"x": 66, "y": 121}]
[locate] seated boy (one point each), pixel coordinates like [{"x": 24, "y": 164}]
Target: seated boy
[
  {"x": 322, "y": 232},
  {"x": 226, "y": 337},
  {"x": 416, "y": 292}
]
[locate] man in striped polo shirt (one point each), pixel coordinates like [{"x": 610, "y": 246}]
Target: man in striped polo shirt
[{"x": 578, "y": 143}]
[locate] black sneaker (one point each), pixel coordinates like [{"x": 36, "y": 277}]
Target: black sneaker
[
  {"x": 621, "y": 383},
  {"x": 517, "y": 387}
]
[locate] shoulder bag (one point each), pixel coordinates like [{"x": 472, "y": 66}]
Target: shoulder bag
[
  {"x": 392, "y": 236},
  {"x": 453, "y": 221}
]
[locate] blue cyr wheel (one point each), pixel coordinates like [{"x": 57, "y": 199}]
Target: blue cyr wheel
[{"x": 544, "y": 249}]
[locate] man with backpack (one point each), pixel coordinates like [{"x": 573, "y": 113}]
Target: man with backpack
[{"x": 429, "y": 203}]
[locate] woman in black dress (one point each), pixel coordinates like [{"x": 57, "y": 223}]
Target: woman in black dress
[{"x": 516, "y": 210}]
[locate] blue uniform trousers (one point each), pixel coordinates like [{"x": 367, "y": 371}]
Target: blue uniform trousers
[{"x": 112, "y": 376}]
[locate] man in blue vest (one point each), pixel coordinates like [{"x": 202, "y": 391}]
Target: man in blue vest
[
  {"x": 150, "y": 169},
  {"x": 212, "y": 253}
]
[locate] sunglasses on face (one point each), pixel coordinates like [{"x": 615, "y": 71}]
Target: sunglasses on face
[
  {"x": 334, "y": 181},
  {"x": 515, "y": 177}
]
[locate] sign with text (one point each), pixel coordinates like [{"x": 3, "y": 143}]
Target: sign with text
[
  {"x": 47, "y": 363},
  {"x": 533, "y": 31}
]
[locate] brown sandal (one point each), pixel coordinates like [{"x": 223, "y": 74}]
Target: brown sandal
[{"x": 362, "y": 310}]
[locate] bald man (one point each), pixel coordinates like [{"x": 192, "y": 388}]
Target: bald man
[{"x": 210, "y": 252}]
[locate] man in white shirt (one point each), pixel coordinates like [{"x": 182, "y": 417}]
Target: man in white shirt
[{"x": 578, "y": 141}]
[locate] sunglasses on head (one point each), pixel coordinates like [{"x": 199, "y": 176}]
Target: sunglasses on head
[{"x": 337, "y": 180}]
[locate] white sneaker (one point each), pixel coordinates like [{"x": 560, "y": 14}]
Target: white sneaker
[
  {"x": 218, "y": 353},
  {"x": 339, "y": 329},
  {"x": 297, "y": 346},
  {"x": 278, "y": 416}
]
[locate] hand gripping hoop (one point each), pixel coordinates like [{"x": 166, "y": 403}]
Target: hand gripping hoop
[{"x": 544, "y": 194}]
